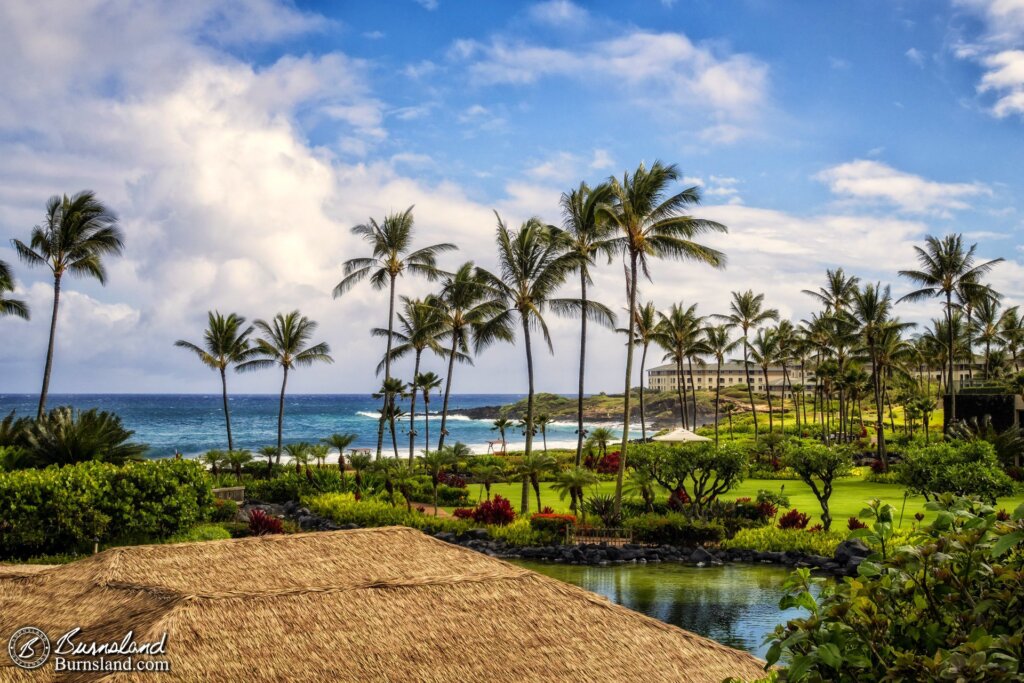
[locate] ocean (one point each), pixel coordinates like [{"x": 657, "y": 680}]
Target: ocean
[{"x": 194, "y": 423}]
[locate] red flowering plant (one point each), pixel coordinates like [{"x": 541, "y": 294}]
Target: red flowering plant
[
  {"x": 552, "y": 524},
  {"x": 853, "y": 524},
  {"x": 261, "y": 524},
  {"x": 497, "y": 511},
  {"x": 794, "y": 519}
]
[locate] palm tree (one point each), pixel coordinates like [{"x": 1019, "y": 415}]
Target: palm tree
[
  {"x": 587, "y": 234},
  {"x": 10, "y": 306},
  {"x": 270, "y": 452},
  {"x": 572, "y": 482},
  {"x": 747, "y": 312},
  {"x": 389, "y": 390},
  {"x": 541, "y": 422},
  {"x": 319, "y": 452},
  {"x": 644, "y": 326},
  {"x": 434, "y": 464},
  {"x": 213, "y": 459},
  {"x": 466, "y": 302},
  {"x": 426, "y": 382},
  {"x": 391, "y": 243},
  {"x": 764, "y": 352},
  {"x": 947, "y": 266},
  {"x": 532, "y": 266},
  {"x": 501, "y": 425},
  {"x": 652, "y": 225},
  {"x": 719, "y": 344},
  {"x": 839, "y": 289},
  {"x": 285, "y": 343},
  {"x": 77, "y": 233},
  {"x": 418, "y": 327},
  {"x": 601, "y": 437},
  {"x": 225, "y": 343},
  {"x": 677, "y": 332},
  {"x": 299, "y": 453},
  {"x": 341, "y": 442},
  {"x": 237, "y": 460},
  {"x": 531, "y": 468},
  {"x": 1011, "y": 334},
  {"x": 488, "y": 473},
  {"x": 360, "y": 462},
  {"x": 987, "y": 325}
]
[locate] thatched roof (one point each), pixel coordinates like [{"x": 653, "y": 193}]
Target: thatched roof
[{"x": 386, "y": 604}]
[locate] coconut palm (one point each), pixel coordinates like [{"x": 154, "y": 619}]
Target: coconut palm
[
  {"x": 986, "y": 326},
  {"x": 531, "y": 468},
  {"x": 747, "y": 311},
  {"x": 600, "y": 437},
  {"x": 392, "y": 255},
  {"x": 947, "y": 266},
  {"x": 237, "y": 460},
  {"x": 225, "y": 343},
  {"x": 677, "y": 332},
  {"x": 1011, "y": 334},
  {"x": 8, "y": 306},
  {"x": 487, "y": 473},
  {"x": 541, "y": 422},
  {"x": 764, "y": 352},
  {"x": 341, "y": 442},
  {"x": 76, "y": 234},
  {"x": 501, "y": 425},
  {"x": 644, "y": 326},
  {"x": 467, "y": 301},
  {"x": 719, "y": 344},
  {"x": 587, "y": 235},
  {"x": 389, "y": 390},
  {"x": 572, "y": 482},
  {"x": 300, "y": 454},
  {"x": 360, "y": 463},
  {"x": 213, "y": 459},
  {"x": 435, "y": 464},
  {"x": 425, "y": 383},
  {"x": 532, "y": 266},
  {"x": 418, "y": 328},
  {"x": 839, "y": 289},
  {"x": 652, "y": 224},
  {"x": 286, "y": 344}
]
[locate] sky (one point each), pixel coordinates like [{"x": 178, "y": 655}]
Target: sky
[{"x": 238, "y": 141}]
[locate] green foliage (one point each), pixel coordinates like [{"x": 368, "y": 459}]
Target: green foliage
[
  {"x": 819, "y": 466},
  {"x": 290, "y": 485},
  {"x": 201, "y": 532},
  {"x": 774, "y": 539},
  {"x": 702, "y": 471},
  {"x": 518, "y": 533},
  {"x": 65, "y": 436},
  {"x": 947, "y": 605},
  {"x": 343, "y": 508},
  {"x": 674, "y": 529},
  {"x": 61, "y": 509},
  {"x": 224, "y": 510},
  {"x": 964, "y": 468}
]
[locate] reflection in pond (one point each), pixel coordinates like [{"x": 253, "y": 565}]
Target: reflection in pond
[{"x": 737, "y": 605}]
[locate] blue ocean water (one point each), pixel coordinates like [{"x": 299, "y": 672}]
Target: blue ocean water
[{"x": 194, "y": 423}]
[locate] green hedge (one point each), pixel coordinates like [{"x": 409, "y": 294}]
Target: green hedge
[
  {"x": 343, "y": 508},
  {"x": 293, "y": 486},
  {"x": 61, "y": 509},
  {"x": 673, "y": 529},
  {"x": 773, "y": 539}
]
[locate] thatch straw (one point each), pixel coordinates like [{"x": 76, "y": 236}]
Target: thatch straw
[{"x": 368, "y": 605}]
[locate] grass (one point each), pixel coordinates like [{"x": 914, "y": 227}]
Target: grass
[{"x": 848, "y": 497}]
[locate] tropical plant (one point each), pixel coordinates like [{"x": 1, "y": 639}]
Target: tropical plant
[
  {"x": 360, "y": 462},
  {"x": 600, "y": 437},
  {"x": 9, "y": 306},
  {"x": 746, "y": 312},
  {"x": 435, "y": 464},
  {"x": 718, "y": 343},
  {"x": 392, "y": 255},
  {"x": 341, "y": 442},
  {"x": 819, "y": 466},
  {"x": 213, "y": 459},
  {"x": 652, "y": 224},
  {"x": 699, "y": 472},
  {"x": 65, "y": 436},
  {"x": 236, "y": 460},
  {"x": 644, "y": 325},
  {"x": 76, "y": 234},
  {"x": 426, "y": 382},
  {"x": 286, "y": 344},
  {"x": 225, "y": 343},
  {"x": 764, "y": 352},
  {"x": 677, "y": 333},
  {"x": 541, "y": 422},
  {"x": 300, "y": 454},
  {"x": 531, "y": 468},
  {"x": 572, "y": 482}
]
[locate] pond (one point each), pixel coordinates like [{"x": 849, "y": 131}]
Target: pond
[{"x": 737, "y": 605}]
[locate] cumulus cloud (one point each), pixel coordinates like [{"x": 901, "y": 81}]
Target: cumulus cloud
[
  {"x": 999, "y": 51},
  {"x": 558, "y": 13}
]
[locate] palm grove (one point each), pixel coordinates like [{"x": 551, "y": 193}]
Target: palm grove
[{"x": 853, "y": 349}]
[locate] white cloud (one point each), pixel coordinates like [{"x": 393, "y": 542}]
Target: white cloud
[
  {"x": 558, "y": 13},
  {"x": 915, "y": 56},
  {"x": 429, "y": 5},
  {"x": 601, "y": 160},
  {"x": 999, "y": 52},
  {"x": 874, "y": 181}
]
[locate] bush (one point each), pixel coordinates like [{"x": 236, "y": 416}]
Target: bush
[
  {"x": 674, "y": 529},
  {"x": 201, "y": 532},
  {"x": 62, "y": 509},
  {"x": 66, "y": 436},
  {"x": 517, "y": 533},
  {"x": 609, "y": 464},
  {"x": 794, "y": 519},
  {"x": 853, "y": 524},
  {"x": 963, "y": 468},
  {"x": 290, "y": 485},
  {"x": 497, "y": 511},
  {"x": 224, "y": 510},
  {"x": 779, "y": 500},
  {"x": 463, "y": 513},
  {"x": 773, "y": 539},
  {"x": 344, "y": 508},
  {"x": 552, "y": 524},
  {"x": 261, "y": 524}
]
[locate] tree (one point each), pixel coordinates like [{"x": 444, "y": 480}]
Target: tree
[
  {"x": 764, "y": 352},
  {"x": 213, "y": 459},
  {"x": 467, "y": 304},
  {"x": 418, "y": 328},
  {"x": 587, "y": 235},
  {"x": 341, "y": 442},
  {"x": 572, "y": 482},
  {"x": 237, "y": 460},
  {"x": 532, "y": 265},
  {"x": 426, "y": 382},
  {"x": 747, "y": 311},
  {"x": 487, "y": 471},
  {"x": 299, "y": 453},
  {"x": 270, "y": 452},
  {"x": 65, "y": 436},
  {"x": 601, "y": 437},
  {"x": 677, "y": 332},
  {"x": 392, "y": 255},
  {"x": 435, "y": 464},
  {"x": 963, "y": 468},
  {"x": 541, "y": 422},
  {"x": 389, "y": 390},
  {"x": 319, "y": 452},
  {"x": 286, "y": 344},
  {"x": 360, "y": 463},
  {"x": 987, "y": 324},
  {"x": 225, "y": 343},
  {"x": 530, "y": 469},
  {"x": 1011, "y": 334},
  {"x": 8, "y": 306},
  {"x": 652, "y": 224},
  {"x": 819, "y": 466},
  {"x": 946, "y": 267},
  {"x": 77, "y": 233},
  {"x": 501, "y": 425},
  {"x": 701, "y": 471},
  {"x": 837, "y": 293},
  {"x": 644, "y": 330},
  {"x": 718, "y": 343}
]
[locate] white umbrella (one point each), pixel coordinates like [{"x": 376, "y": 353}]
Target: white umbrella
[{"x": 681, "y": 436}]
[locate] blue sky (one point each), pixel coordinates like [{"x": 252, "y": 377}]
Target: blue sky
[{"x": 239, "y": 141}]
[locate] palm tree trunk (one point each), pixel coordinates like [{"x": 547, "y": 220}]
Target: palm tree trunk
[
  {"x": 583, "y": 362},
  {"x": 391, "y": 425},
  {"x": 412, "y": 409},
  {"x": 643, "y": 408},
  {"x": 280, "y": 414},
  {"x": 629, "y": 376},
  {"x": 771, "y": 422},
  {"x": 426, "y": 423},
  {"x": 49, "y": 348},
  {"x": 880, "y": 418},
  {"x": 679, "y": 392},
  {"x": 693, "y": 391},
  {"x": 525, "y": 503},
  {"x": 750, "y": 384},
  {"x": 227, "y": 413},
  {"x": 387, "y": 372},
  {"x": 718, "y": 395},
  {"x": 448, "y": 389},
  {"x": 952, "y": 359}
]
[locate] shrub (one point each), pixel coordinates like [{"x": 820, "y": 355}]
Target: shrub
[
  {"x": 878, "y": 466},
  {"x": 603, "y": 507},
  {"x": 463, "y": 513},
  {"x": 609, "y": 464},
  {"x": 453, "y": 480},
  {"x": 66, "y": 436},
  {"x": 674, "y": 529},
  {"x": 779, "y": 500},
  {"x": 963, "y": 468},
  {"x": 853, "y": 524},
  {"x": 201, "y": 532},
  {"x": 261, "y": 524},
  {"x": 552, "y": 524},
  {"x": 344, "y": 508},
  {"x": 62, "y": 509},
  {"x": 497, "y": 511},
  {"x": 224, "y": 510},
  {"x": 773, "y": 539},
  {"x": 517, "y": 533},
  {"x": 290, "y": 485},
  {"x": 794, "y": 519}
]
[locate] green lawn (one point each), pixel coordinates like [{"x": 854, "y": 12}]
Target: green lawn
[{"x": 848, "y": 498}]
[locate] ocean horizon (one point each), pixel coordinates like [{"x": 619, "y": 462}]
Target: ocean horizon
[{"x": 191, "y": 424}]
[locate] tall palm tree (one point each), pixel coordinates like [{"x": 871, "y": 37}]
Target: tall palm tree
[
  {"x": 1011, "y": 334},
  {"x": 341, "y": 442},
  {"x": 501, "y": 425},
  {"x": 652, "y": 223},
  {"x": 677, "y": 332},
  {"x": 9, "y": 306},
  {"x": 644, "y": 325},
  {"x": 390, "y": 390},
  {"x": 418, "y": 328},
  {"x": 601, "y": 437},
  {"x": 764, "y": 352},
  {"x": 392, "y": 255},
  {"x": 839, "y": 289},
  {"x": 435, "y": 464},
  {"x": 286, "y": 344},
  {"x": 541, "y": 422},
  {"x": 77, "y": 233},
  {"x": 532, "y": 266},
  {"x": 587, "y": 235},
  {"x": 425, "y": 383},
  {"x": 747, "y": 311},
  {"x": 719, "y": 344},
  {"x": 573, "y": 482},
  {"x": 948, "y": 266},
  {"x": 225, "y": 343},
  {"x": 530, "y": 469},
  {"x": 986, "y": 325},
  {"x": 466, "y": 303}
]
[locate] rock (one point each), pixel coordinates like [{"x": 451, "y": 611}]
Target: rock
[
  {"x": 701, "y": 555},
  {"x": 850, "y": 549},
  {"x": 480, "y": 534}
]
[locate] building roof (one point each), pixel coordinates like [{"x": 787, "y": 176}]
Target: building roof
[
  {"x": 368, "y": 605},
  {"x": 711, "y": 367}
]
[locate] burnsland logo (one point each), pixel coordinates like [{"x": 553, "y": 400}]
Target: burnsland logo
[{"x": 29, "y": 648}]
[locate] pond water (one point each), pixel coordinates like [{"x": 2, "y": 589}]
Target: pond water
[{"x": 737, "y": 604}]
